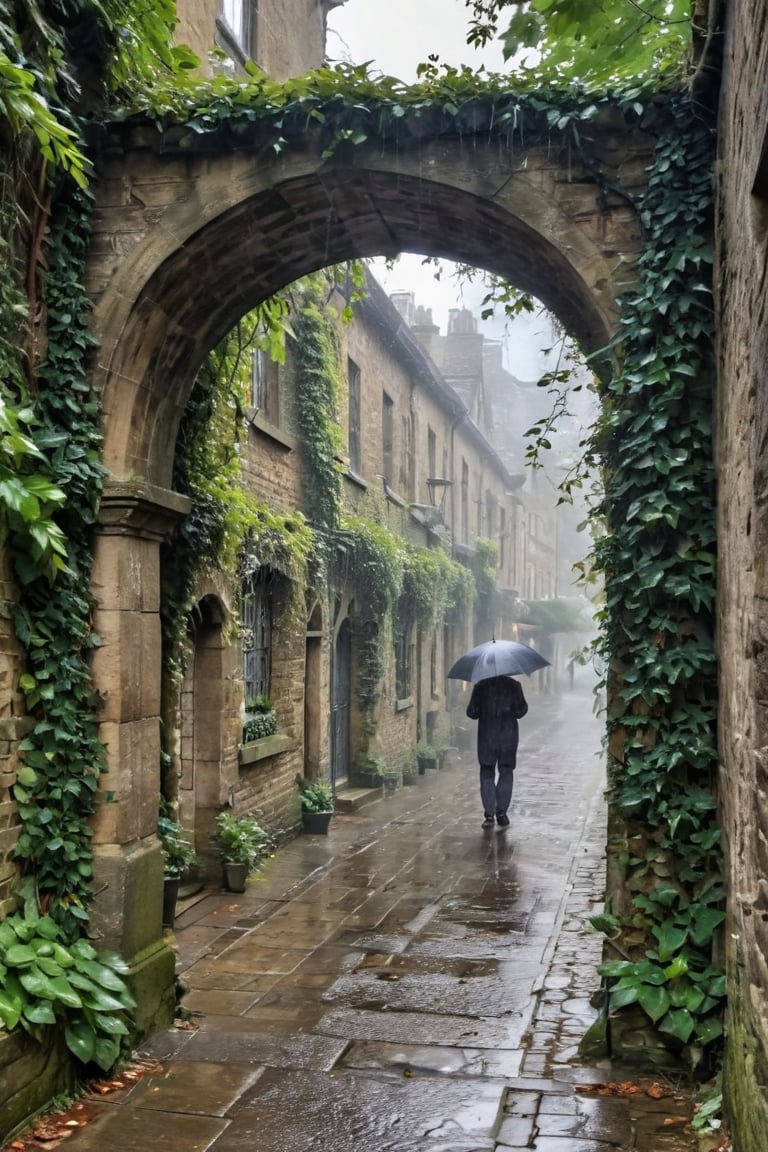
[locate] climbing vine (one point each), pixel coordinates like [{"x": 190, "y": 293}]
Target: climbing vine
[
  {"x": 48, "y": 972},
  {"x": 653, "y": 442},
  {"x": 658, "y": 561},
  {"x": 227, "y": 529}
]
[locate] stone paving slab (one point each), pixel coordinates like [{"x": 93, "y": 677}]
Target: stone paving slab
[{"x": 411, "y": 983}]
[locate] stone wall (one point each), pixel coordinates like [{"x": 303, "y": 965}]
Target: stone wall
[{"x": 742, "y": 453}]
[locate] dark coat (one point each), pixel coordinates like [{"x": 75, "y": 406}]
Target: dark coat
[{"x": 497, "y": 703}]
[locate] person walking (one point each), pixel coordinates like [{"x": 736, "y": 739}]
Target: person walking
[{"x": 497, "y": 703}]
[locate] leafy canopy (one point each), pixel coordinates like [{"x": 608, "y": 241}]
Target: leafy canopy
[{"x": 597, "y": 41}]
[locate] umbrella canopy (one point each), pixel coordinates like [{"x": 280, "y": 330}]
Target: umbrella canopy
[{"x": 497, "y": 658}]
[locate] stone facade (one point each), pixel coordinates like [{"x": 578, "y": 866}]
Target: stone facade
[{"x": 226, "y": 34}]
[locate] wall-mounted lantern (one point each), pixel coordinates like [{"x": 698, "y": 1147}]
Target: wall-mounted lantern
[{"x": 437, "y": 488}]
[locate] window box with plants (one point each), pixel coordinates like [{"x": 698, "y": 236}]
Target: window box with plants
[
  {"x": 178, "y": 860},
  {"x": 260, "y": 719},
  {"x": 260, "y": 737},
  {"x": 242, "y": 844},
  {"x": 317, "y": 804}
]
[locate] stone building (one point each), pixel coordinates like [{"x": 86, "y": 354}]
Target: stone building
[{"x": 415, "y": 465}]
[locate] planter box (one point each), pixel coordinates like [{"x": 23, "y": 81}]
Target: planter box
[{"x": 257, "y": 750}]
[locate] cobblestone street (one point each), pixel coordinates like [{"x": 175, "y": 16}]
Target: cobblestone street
[{"x": 411, "y": 982}]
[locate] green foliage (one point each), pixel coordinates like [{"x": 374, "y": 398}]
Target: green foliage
[
  {"x": 372, "y": 765},
  {"x": 47, "y": 978},
  {"x": 30, "y": 105},
  {"x": 259, "y": 724},
  {"x": 178, "y": 851},
  {"x": 241, "y": 839},
  {"x": 316, "y": 795},
  {"x": 658, "y": 561},
  {"x": 485, "y": 565},
  {"x": 228, "y": 528},
  {"x": 55, "y": 789},
  {"x": 319, "y": 391},
  {"x": 598, "y": 41}
]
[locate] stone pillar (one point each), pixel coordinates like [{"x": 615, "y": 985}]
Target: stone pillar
[{"x": 128, "y": 868}]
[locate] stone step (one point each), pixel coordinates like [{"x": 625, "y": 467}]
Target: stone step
[{"x": 353, "y": 799}]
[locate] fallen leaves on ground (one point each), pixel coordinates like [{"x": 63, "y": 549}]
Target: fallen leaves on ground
[
  {"x": 48, "y": 1131},
  {"x": 624, "y": 1088}
]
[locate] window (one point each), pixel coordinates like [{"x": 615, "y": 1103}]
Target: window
[
  {"x": 407, "y": 458},
  {"x": 257, "y": 633},
  {"x": 353, "y": 378},
  {"x": 464, "y": 502},
  {"x": 402, "y": 638},
  {"x": 432, "y": 453},
  {"x": 491, "y": 510},
  {"x": 235, "y": 13},
  {"x": 387, "y": 435},
  {"x": 265, "y": 391}
]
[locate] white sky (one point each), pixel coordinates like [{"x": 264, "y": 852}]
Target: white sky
[
  {"x": 396, "y": 36},
  {"x": 399, "y": 34}
]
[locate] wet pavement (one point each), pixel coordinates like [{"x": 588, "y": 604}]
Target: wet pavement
[{"x": 410, "y": 982}]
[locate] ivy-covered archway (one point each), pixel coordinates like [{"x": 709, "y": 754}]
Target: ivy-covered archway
[
  {"x": 210, "y": 210},
  {"x": 599, "y": 206}
]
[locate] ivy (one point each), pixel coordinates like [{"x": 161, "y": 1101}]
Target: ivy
[
  {"x": 652, "y": 440},
  {"x": 228, "y": 529},
  {"x": 62, "y": 755},
  {"x": 319, "y": 391},
  {"x": 658, "y": 561}
]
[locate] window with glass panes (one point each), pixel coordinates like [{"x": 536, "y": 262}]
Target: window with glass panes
[
  {"x": 257, "y": 633},
  {"x": 402, "y": 638}
]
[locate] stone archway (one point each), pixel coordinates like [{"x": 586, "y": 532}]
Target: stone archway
[{"x": 191, "y": 232}]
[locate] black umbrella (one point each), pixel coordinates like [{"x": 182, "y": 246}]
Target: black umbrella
[{"x": 497, "y": 658}]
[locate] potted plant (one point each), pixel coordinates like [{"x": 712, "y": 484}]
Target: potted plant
[
  {"x": 242, "y": 843},
  {"x": 317, "y": 804},
  {"x": 426, "y": 755},
  {"x": 441, "y": 751},
  {"x": 370, "y": 772},
  {"x": 410, "y": 770},
  {"x": 178, "y": 857},
  {"x": 390, "y": 780}
]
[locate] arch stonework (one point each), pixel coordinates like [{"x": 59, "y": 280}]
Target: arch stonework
[{"x": 192, "y": 231}]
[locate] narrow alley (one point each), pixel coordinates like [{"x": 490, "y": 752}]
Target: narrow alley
[{"x": 412, "y": 982}]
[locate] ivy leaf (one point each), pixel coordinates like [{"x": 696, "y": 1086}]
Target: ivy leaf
[
  {"x": 10, "y": 1009},
  {"x": 80, "y": 1039},
  {"x": 679, "y": 1023},
  {"x": 653, "y": 999},
  {"x": 670, "y": 938}
]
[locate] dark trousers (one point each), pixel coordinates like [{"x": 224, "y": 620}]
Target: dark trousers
[{"x": 496, "y": 794}]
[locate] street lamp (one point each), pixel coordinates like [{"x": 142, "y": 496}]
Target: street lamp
[{"x": 437, "y": 488}]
